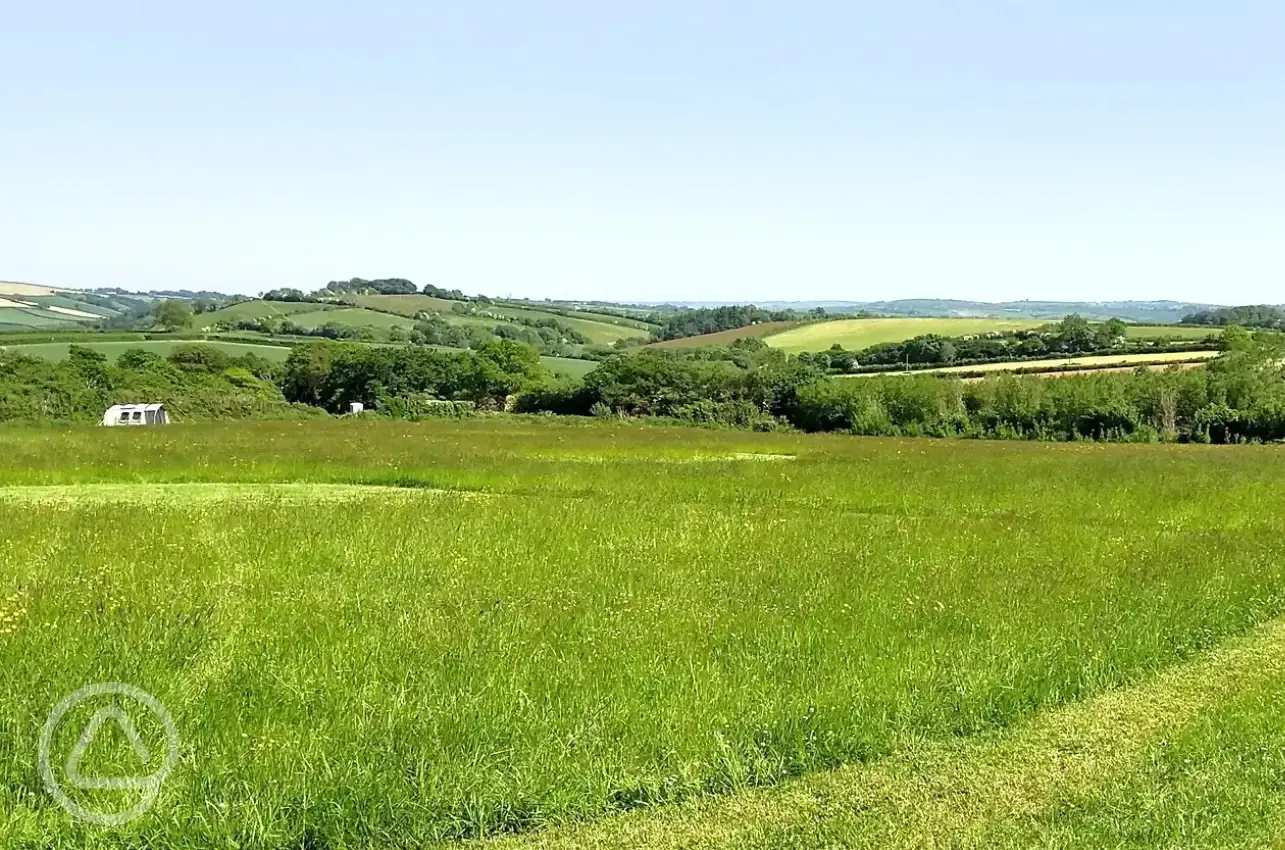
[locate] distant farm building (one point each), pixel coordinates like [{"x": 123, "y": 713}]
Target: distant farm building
[{"x": 136, "y": 414}]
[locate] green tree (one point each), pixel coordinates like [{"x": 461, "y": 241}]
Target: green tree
[
  {"x": 1113, "y": 331},
  {"x": 1075, "y": 332},
  {"x": 172, "y": 314}
]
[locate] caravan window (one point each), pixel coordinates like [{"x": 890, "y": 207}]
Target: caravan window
[{"x": 138, "y": 414}]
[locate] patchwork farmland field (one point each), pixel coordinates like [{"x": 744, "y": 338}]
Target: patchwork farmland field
[
  {"x": 382, "y": 634},
  {"x": 856, "y": 334}
]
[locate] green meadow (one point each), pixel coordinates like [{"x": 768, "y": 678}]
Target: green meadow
[{"x": 575, "y": 633}]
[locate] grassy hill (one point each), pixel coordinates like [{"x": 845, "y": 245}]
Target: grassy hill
[
  {"x": 357, "y": 317},
  {"x": 410, "y": 306},
  {"x": 249, "y": 311},
  {"x": 382, "y": 312},
  {"x": 26, "y": 318},
  {"x": 24, "y": 307}
]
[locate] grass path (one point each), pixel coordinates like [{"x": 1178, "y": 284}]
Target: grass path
[
  {"x": 1012, "y": 788},
  {"x": 148, "y": 493}
]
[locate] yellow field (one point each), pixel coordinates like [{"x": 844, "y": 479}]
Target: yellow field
[
  {"x": 8, "y": 287},
  {"x": 856, "y": 334}
]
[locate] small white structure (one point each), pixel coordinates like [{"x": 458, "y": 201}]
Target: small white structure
[
  {"x": 356, "y": 407},
  {"x": 136, "y": 414}
]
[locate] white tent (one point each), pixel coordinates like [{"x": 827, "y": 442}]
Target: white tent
[{"x": 136, "y": 414}]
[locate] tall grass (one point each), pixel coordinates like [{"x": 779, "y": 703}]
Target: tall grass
[{"x": 551, "y": 622}]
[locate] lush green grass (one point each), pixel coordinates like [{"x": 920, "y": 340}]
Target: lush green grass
[
  {"x": 570, "y": 366},
  {"x": 1190, "y": 758},
  {"x": 550, "y": 621},
  {"x": 856, "y": 334},
  {"x": 1176, "y": 331},
  {"x": 409, "y": 306},
  {"x": 603, "y": 333},
  {"x": 112, "y": 350},
  {"x": 356, "y": 317}
]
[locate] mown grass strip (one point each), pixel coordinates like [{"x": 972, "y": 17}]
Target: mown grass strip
[{"x": 1011, "y": 788}]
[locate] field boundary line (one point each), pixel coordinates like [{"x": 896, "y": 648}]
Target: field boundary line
[{"x": 954, "y": 793}]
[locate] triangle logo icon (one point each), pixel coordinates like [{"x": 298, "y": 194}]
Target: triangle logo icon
[{"x": 114, "y": 783}]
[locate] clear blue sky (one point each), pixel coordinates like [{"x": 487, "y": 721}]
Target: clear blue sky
[{"x": 672, "y": 149}]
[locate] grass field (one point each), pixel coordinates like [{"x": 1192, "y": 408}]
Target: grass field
[
  {"x": 1063, "y": 365},
  {"x": 596, "y": 329},
  {"x": 354, "y": 316},
  {"x": 409, "y": 306},
  {"x": 570, "y": 366},
  {"x": 856, "y": 334},
  {"x": 378, "y": 634},
  {"x": 248, "y": 311},
  {"x": 65, "y": 302},
  {"x": 23, "y": 318},
  {"x": 763, "y": 329},
  {"x": 112, "y": 350},
  {"x": 1176, "y": 331}
]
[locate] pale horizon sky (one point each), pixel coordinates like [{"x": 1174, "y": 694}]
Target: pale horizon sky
[{"x": 698, "y": 150}]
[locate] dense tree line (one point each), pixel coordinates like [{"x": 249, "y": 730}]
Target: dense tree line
[
  {"x": 383, "y": 286},
  {"x": 452, "y": 294},
  {"x": 549, "y": 335},
  {"x": 1260, "y": 316},
  {"x": 284, "y": 326},
  {"x": 333, "y": 375},
  {"x": 292, "y": 295},
  {"x": 706, "y": 320},
  {"x": 1239, "y": 397},
  {"x": 1073, "y": 336},
  {"x": 194, "y": 382}
]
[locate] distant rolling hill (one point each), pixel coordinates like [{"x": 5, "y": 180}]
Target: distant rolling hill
[{"x": 26, "y": 307}]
